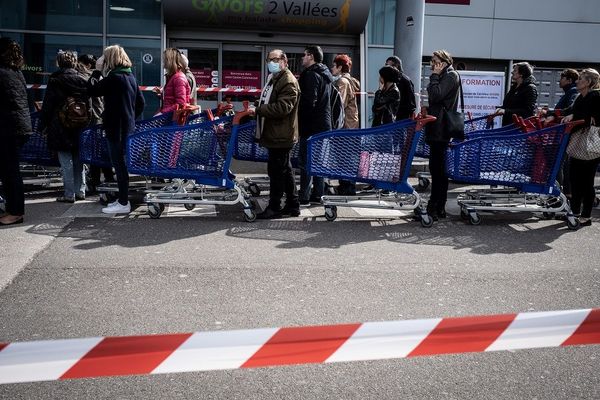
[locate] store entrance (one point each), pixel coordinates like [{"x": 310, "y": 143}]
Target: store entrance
[{"x": 235, "y": 72}]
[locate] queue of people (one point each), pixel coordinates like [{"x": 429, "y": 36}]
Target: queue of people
[{"x": 289, "y": 110}]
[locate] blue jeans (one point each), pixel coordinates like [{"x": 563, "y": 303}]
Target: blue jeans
[
  {"x": 73, "y": 173},
  {"x": 116, "y": 149},
  {"x": 305, "y": 179}
]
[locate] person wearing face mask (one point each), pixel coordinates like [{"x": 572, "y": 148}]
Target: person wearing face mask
[{"x": 277, "y": 130}]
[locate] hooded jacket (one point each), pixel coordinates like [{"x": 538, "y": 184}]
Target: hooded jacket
[
  {"x": 520, "y": 100},
  {"x": 314, "y": 110},
  {"x": 348, "y": 88},
  {"x": 63, "y": 83},
  {"x": 14, "y": 110},
  {"x": 567, "y": 99},
  {"x": 385, "y": 105},
  {"x": 443, "y": 93},
  {"x": 280, "y": 113}
]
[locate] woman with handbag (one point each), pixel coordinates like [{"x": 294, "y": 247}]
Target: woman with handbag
[
  {"x": 584, "y": 144},
  {"x": 443, "y": 93}
]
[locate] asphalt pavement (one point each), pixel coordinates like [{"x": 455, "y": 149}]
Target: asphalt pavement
[{"x": 71, "y": 272}]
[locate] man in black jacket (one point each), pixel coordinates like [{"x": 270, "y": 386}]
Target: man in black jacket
[
  {"x": 521, "y": 99},
  {"x": 408, "y": 104},
  {"x": 314, "y": 116}
]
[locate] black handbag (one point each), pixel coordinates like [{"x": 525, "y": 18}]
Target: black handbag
[{"x": 454, "y": 121}]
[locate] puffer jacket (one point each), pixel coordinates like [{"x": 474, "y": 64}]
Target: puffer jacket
[
  {"x": 280, "y": 123},
  {"x": 520, "y": 100},
  {"x": 314, "y": 111},
  {"x": 443, "y": 93},
  {"x": 385, "y": 105},
  {"x": 63, "y": 83},
  {"x": 348, "y": 88},
  {"x": 14, "y": 110},
  {"x": 176, "y": 92}
]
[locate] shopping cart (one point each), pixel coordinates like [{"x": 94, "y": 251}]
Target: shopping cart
[
  {"x": 526, "y": 162},
  {"x": 39, "y": 165},
  {"x": 381, "y": 156},
  {"x": 198, "y": 156}
]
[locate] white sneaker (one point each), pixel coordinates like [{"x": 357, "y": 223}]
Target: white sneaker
[{"x": 117, "y": 208}]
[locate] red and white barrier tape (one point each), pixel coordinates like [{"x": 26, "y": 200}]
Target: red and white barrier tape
[
  {"x": 218, "y": 350},
  {"x": 200, "y": 89}
]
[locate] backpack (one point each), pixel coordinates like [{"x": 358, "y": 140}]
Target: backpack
[
  {"x": 338, "y": 116},
  {"x": 75, "y": 113}
]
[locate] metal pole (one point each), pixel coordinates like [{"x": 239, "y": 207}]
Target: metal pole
[{"x": 408, "y": 38}]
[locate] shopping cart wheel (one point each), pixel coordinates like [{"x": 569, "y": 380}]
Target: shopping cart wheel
[
  {"x": 573, "y": 223},
  {"x": 254, "y": 189},
  {"x": 330, "y": 213},
  {"x": 426, "y": 221},
  {"x": 249, "y": 215},
  {"x": 189, "y": 206},
  {"x": 474, "y": 218},
  {"x": 548, "y": 215},
  {"x": 423, "y": 184},
  {"x": 464, "y": 214},
  {"x": 596, "y": 201},
  {"x": 155, "y": 210}
]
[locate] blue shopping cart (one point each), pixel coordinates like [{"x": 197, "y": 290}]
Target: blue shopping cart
[
  {"x": 526, "y": 162},
  {"x": 36, "y": 151},
  {"x": 381, "y": 156},
  {"x": 198, "y": 156}
]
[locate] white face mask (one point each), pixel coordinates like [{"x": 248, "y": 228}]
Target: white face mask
[
  {"x": 273, "y": 67},
  {"x": 336, "y": 77}
]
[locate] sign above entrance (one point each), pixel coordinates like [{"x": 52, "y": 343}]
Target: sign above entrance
[{"x": 324, "y": 16}]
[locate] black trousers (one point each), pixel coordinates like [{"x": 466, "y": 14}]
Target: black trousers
[
  {"x": 439, "y": 179},
  {"x": 116, "y": 150},
  {"x": 582, "y": 174},
  {"x": 281, "y": 178},
  {"x": 10, "y": 175}
]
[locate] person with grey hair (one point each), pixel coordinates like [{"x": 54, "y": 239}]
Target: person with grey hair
[
  {"x": 521, "y": 99},
  {"x": 65, "y": 84}
]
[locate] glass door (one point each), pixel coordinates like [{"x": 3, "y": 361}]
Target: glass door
[{"x": 243, "y": 72}]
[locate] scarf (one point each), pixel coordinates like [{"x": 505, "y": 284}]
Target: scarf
[{"x": 265, "y": 95}]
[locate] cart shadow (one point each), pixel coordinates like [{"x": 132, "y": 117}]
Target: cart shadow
[{"x": 499, "y": 234}]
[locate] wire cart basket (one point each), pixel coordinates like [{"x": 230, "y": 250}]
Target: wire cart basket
[
  {"x": 381, "y": 156},
  {"x": 526, "y": 162}
]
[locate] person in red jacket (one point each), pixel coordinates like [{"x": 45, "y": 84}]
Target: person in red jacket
[{"x": 177, "y": 89}]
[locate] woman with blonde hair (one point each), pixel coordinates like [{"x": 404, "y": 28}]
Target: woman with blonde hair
[
  {"x": 177, "y": 89},
  {"x": 583, "y": 172},
  {"x": 123, "y": 103}
]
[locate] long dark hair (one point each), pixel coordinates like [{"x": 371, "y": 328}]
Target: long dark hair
[{"x": 10, "y": 54}]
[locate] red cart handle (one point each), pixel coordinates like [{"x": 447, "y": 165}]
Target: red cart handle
[{"x": 424, "y": 120}]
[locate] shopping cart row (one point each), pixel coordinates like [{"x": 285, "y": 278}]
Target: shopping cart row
[{"x": 195, "y": 161}]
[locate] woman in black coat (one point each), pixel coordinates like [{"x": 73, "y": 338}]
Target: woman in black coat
[
  {"x": 443, "y": 94},
  {"x": 123, "y": 103},
  {"x": 64, "y": 83},
  {"x": 387, "y": 98},
  {"x": 15, "y": 129},
  {"x": 582, "y": 172}
]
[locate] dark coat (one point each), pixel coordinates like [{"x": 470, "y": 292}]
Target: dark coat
[
  {"x": 280, "y": 126},
  {"x": 520, "y": 100},
  {"x": 385, "y": 105},
  {"x": 123, "y": 102},
  {"x": 63, "y": 83},
  {"x": 314, "y": 111},
  {"x": 444, "y": 94},
  {"x": 567, "y": 99},
  {"x": 586, "y": 108},
  {"x": 14, "y": 109},
  {"x": 408, "y": 105}
]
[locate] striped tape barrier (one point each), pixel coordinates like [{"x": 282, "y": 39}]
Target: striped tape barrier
[{"x": 220, "y": 350}]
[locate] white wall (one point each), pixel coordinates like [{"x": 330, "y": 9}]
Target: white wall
[{"x": 541, "y": 30}]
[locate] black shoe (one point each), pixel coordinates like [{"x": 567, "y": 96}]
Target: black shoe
[
  {"x": 315, "y": 200},
  {"x": 441, "y": 214},
  {"x": 63, "y": 199},
  {"x": 587, "y": 222},
  {"x": 269, "y": 213},
  {"x": 291, "y": 211}
]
